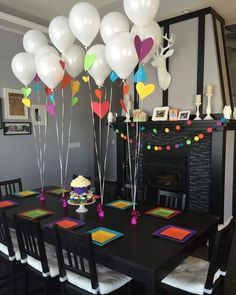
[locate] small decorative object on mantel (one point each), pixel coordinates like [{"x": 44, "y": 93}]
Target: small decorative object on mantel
[
  {"x": 128, "y": 104},
  {"x": 209, "y": 95},
  {"x": 227, "y": 112},
  {"x": 173, "y": 114},
  {"x": 139, "y": 116},
  {"x": 110, "y": 117},
  {"x": 184, "y": 115},
  {"x": 234, "y": 113},
  {"x": 198, "y": 103},
  {"x": 160, "y": 114}
]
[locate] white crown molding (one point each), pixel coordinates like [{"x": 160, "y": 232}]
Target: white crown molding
[{"x": 22, "y": 22}]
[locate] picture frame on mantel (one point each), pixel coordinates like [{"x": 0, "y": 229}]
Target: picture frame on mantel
[
  {"x": 17, "y": 128},
  {"x": 13, "y": 106},
  {"x": 160, "y": 114}
]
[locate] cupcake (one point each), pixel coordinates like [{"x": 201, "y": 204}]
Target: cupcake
[{"x": 80, "y": 185}]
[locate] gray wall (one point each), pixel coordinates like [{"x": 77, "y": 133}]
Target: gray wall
[{"x": 17, "y": 153}]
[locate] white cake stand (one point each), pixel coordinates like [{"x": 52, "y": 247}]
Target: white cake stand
[{"x": 81, "y": 209}]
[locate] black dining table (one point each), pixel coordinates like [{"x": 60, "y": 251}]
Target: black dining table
[{"x": 138, "y": 254}]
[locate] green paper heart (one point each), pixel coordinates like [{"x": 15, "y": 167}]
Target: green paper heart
[
  {"x": 26, "y": 91},
  {"x": 89, "y": 61},
  {"x": 74, "y": 100}
]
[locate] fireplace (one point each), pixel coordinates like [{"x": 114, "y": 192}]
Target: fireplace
[{"x": 166, "y": 172}]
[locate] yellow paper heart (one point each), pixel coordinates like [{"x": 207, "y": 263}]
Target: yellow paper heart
[
  {"x": 75, "y": 86},
  {"x": 85, "y": 78},
  {"x": 144, "y": 90},
  {"x": 26, "y": 102}
]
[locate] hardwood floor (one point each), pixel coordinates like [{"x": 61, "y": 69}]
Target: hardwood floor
[{"x": 230, "y": 282}]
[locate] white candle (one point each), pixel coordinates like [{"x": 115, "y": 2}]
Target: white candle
[
  {"x": 198, "y": 98},
  {"x": 209, "y": 89}
]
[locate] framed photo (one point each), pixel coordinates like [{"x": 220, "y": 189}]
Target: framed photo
[
  {"x": 0, "y": 113},
  {"x": 16, "y": 128},
  {"x": 160, "y": 114},
  {"x": 38, "y": 114},
  {"x": 183, "y": 115},
  {"x": 13, "y": 106},
  {"x": 173, "y": 114}
]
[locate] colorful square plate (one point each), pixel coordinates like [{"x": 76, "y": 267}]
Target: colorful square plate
[
  {"x": 58, "y": 191},
  {"x": 120, "y": 204},
  {"x": 175, "y": 233},
  {"x": 66, "y": 223},
  {"x": 7, "y": 203},
  {"x": 25, "y": 194},
  {"x": 101, "y": 235},
  {"x": 34, "y": 214},
  {"x": 163, "y": 212}
]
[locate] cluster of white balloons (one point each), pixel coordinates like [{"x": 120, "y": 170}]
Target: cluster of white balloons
[{"x": 118, "y": 54}]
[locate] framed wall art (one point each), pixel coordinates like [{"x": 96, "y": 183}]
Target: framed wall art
[
  {"x": 13, "y": 106},
  {"x": 17, "y": 128},
  {"x": 38, "y": 115}
]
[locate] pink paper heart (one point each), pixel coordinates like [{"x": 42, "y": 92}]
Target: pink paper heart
[
  {"x": 100, "y": 108},
  {"x": 123, "y": 105},
  {"x": 143, "y": 47},
  {"x": 50, "y": 108}
]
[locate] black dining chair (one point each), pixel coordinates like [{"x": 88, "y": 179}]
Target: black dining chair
[
  {"x": 198, "y": 276},
  {"x": 77, "y": 267},
  {"x": 39, "y": 258},
  {"x": 171, "y": 200},
  {"x": 9, "y": 251},
  {"x": 8, "y": 187}
]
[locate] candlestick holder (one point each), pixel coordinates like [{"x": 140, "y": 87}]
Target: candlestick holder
[
  {"x": 197, "y": 104},
  {"x": 208, "y": 108}
]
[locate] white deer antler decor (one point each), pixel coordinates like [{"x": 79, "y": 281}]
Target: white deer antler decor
[{"x": 159, "y": 61}]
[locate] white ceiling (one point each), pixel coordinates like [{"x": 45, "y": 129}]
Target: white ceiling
[{"x": 45, "y": 10}]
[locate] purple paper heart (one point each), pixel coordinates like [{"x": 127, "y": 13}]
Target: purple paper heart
[
  {"x": 50, "y": 108},
  {"x": 143, "y": 47}
]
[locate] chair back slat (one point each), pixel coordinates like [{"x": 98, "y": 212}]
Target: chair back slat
[
  {"x": 30, "y": 240},
  {"x": 5, "y": 236},
  {"x": 220, "y": 252},
  {"x": 9, "y": 187},
  {"x": 80, "y": 256},
  {"x": 171, "y": 199}
]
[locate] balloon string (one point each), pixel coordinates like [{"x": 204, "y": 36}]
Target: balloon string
[
  {"x": 107, "y": 141},
  {"x": 130, "y": 162},
  {"x": 62, "y": 134}
]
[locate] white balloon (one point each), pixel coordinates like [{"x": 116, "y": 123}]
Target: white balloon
[
  {"x": 74, "y": 59},
  {"x": 100, "y": 69},
  {"x": 60, "y": 33},
  {"x": 141, "y": 12},
  {"x": 23, "y": 67},
  {"x": 34, "y": 39},
  {"x": 50, "y": 70},
  {"x": 40, "y": 51},
  {"x": 113, "y": 23},
  {"x": 152, "y": 30},
  {"x": 84, "y": 21},
  {"x": 121, "y": 54}
]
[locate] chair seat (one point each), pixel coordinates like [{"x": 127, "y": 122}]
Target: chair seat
[
  {"x": 190, "y": 276},
  {"x": 4, "y": 248},
  {"x": 108, "y": 280},
  {"x": 52, "y": 262}
]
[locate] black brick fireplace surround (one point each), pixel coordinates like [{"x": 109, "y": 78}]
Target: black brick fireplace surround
[{"x": 200, "y": 167}]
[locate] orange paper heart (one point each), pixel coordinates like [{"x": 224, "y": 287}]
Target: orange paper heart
[
  {"x": 66, "y": 81},
  {"x": 99, "y": 93},
  {"x": 126, "y": 89}
]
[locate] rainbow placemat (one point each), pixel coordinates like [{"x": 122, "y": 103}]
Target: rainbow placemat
[
  {"x": 163, "y": 212},
  {"x": 102, "y": 236},
  {"x": 25, "y": 194},
  {"x": 7, "y": 204},
  {"x": 58, "y": 191},
  {"x": 175, "y": 233},
  {"x": 66, "y": 223},
  {"x": 120, "y": 204},
  {"x": 34, "y": 214}
]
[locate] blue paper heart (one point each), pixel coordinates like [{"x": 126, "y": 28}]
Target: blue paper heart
[
  {"x": 140, "y": 75},
  {"x": 37, "y": 87},
  {"x": 52, "y": 97},
  {"x": 113, "y": 76}
]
